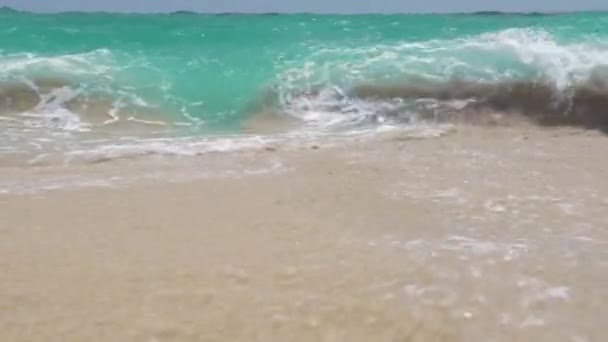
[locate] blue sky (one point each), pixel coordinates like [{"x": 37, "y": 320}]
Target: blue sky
[{"x": 334, "y": 6}]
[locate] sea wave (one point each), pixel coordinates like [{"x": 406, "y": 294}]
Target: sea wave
[
  {"x": 63, "y": 101},
  {"x": 522, "y": 70}
]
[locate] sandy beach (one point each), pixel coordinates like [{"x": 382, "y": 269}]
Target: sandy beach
[{"x": 482, "y": 234}]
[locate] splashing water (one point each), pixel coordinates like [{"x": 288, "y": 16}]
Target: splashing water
[{"x": 69, "y": 78}]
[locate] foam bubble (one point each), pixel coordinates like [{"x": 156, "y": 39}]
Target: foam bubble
[{"x": 97, "y": 62}]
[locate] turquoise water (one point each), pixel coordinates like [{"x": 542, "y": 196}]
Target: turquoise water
[{"x": 206, "y": 73}]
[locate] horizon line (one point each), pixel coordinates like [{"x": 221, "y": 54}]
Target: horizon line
[{"x": 189, "y": 12}]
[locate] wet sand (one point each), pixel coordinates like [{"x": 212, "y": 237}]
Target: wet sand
[{"x": 484, "y": 234}]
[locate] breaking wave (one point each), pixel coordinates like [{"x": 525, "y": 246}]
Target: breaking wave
[{"x": 79, "y": 85}]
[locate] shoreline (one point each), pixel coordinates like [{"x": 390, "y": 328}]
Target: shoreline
[{"x": 484, "y": 233}]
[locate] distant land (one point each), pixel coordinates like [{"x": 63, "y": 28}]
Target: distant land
[{"x": 186, "y": 12}]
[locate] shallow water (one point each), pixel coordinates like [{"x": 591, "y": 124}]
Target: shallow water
[{"x": 481, "y": 234}]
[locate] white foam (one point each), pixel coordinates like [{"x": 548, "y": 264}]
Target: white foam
[
  {"x": 128, "y": 148},
  {"x": 96, "y": 62},
  {"x": 468, "y": 246},
  {"x": 316, "y": 91},
  {"x": 113, "y": 113},
  {"x": 51, "y": 113}
]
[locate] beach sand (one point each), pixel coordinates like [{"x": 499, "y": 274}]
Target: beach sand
[{"x": 482, "y": 234}]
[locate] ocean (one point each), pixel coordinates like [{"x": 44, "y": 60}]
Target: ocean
[{"x": 97, "y": 81}]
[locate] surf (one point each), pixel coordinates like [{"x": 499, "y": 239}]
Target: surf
[{"x": 74, "y": 78}]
